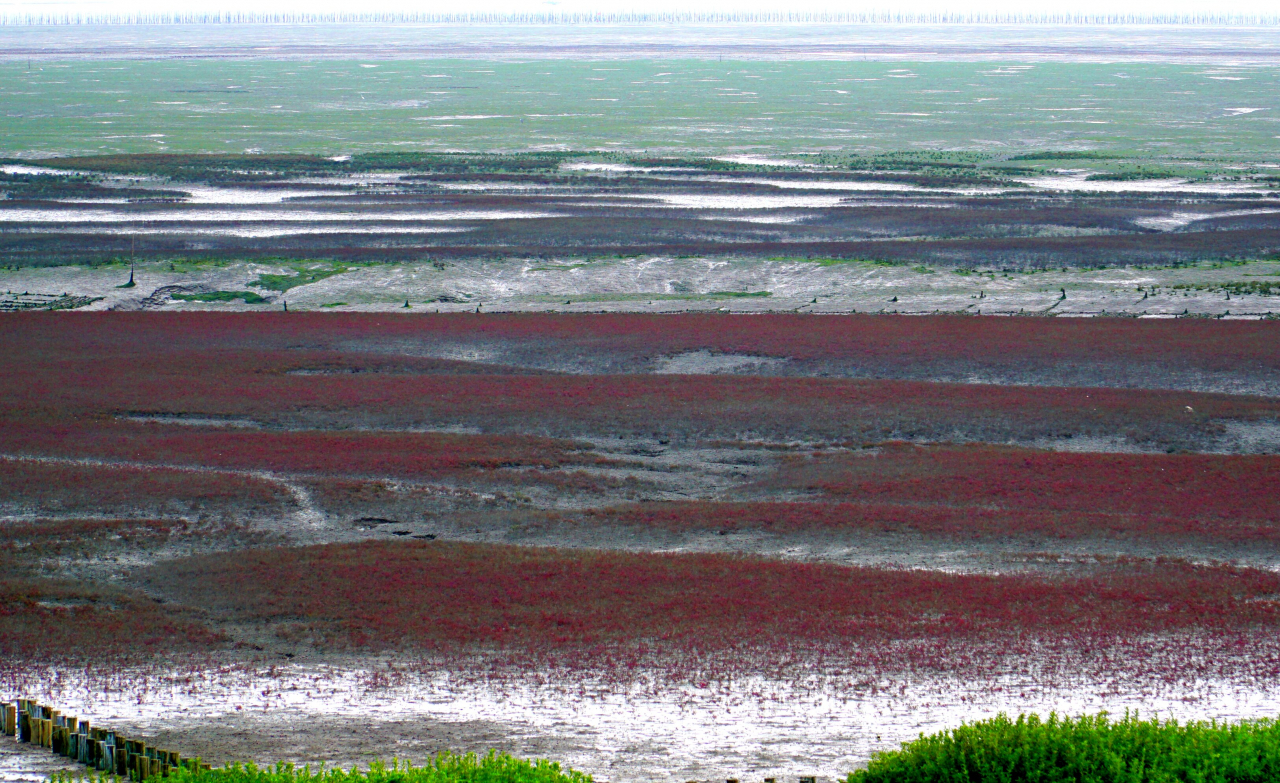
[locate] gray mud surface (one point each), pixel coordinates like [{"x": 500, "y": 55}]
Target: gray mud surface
[
  {"x": 345, "y": 741},
  {"x": 985, "y": 219}
]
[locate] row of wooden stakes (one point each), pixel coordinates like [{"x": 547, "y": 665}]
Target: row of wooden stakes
[{"x": 97, "y": 748}]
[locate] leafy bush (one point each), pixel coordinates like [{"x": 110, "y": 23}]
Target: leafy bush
[{"x": 1089, "y": 748}]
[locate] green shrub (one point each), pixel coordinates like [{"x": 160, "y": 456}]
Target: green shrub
[{"x": 1089, "y": 749}]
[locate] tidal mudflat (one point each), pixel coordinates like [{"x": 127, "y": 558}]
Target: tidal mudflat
[
  {"x": 677, "y": 404},
  {"x": 672, "y": 546}
]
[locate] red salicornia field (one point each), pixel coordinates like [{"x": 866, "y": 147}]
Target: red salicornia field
[{"x": 881, "y": 504}]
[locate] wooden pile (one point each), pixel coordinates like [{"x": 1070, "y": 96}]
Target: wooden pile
[{"x": 96, "y": 748}]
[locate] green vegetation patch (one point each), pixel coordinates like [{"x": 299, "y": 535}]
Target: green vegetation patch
[
  {"x": 647, "y": 297},
  {"x": 840, "y": 261},
  {"x": 443, "y": 768},
  {"x": 558, "y": 267},
  {"x": 302, "y": 277},
  {"x": 925, "y": 169},
  {"x": 202, "y": 167},
  {"x": 1130, "y": 174},
  {"x": 912, "y": 160},
  {"x": 1263, "y": 287},
  {"x": 49, "y": 187},
  {"x": 221, "y": 296},
  {"x": 1089, "y": 748},
  {"x": 705, "y": 164},
  {"x": 249, "y": 168},
  {"x": 1162, "y": 109},
  {"x": 1066, "y": 155},
  {"x": 738, "y": 294},
  {"x": 13, "y": 302},
  {"x": 461, "y": 163}
]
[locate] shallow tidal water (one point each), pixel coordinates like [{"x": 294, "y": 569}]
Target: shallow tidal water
[{"x": 748, "y": 728}]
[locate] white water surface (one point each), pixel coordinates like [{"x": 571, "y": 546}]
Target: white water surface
[
  {"x": 73, "y": 216},
  {"x": 267, "y": 230},
  {"x": 747, "y": 728},
  {"x": 1080, "y": 183}
]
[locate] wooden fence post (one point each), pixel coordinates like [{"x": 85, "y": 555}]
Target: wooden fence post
[
  {"x": 132, "y": 749},
  {"x": 108, "y": 751},
  {"x": 100, "y": 749}
]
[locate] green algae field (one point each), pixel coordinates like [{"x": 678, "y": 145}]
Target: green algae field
[{"x": 662, "y": 106}]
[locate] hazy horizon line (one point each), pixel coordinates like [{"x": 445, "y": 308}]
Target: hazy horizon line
[{"x": 682, "y": 17}]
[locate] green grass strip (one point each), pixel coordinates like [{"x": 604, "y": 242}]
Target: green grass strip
[
  {"x": 443, "y": 768},
  {"x": 221, "y": 296},
  {"x": 303, "y": 277},
  {"x": 1088, "y": 749}
]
